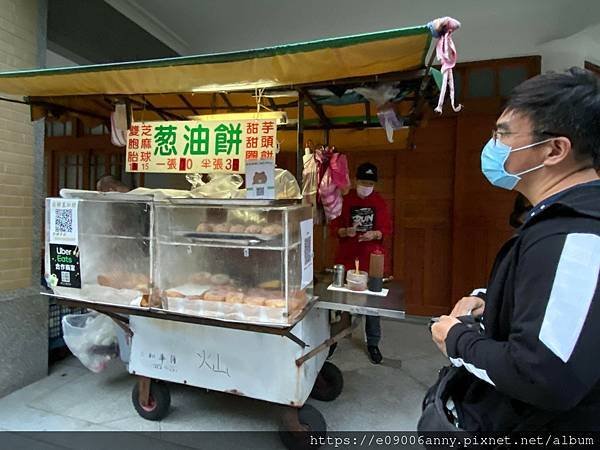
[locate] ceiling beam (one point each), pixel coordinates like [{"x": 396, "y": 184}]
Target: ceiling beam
[
  {"x": 147, "y": 104},
  {"x": 316, "y": 108},
  {"x": 226, "y": 100},
  {"x": 188, "y": 104}
]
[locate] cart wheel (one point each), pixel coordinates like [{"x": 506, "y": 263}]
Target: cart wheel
[
  {"x": 302, "y": 429},
  {"x": 158, "y": 403},
  {"x": 329, "y": 383},
  {"x": 332, "y": 350}
]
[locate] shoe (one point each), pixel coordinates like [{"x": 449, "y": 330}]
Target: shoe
[{"x": 374, "y": 354}]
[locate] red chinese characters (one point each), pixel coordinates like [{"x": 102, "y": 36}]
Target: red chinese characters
[
  {"x": 251, "y": 142},
  {"x": 267, "y": 154},
  {"x": 268, "y": 127},
  {"x": 251, "y": 154},
  {"x": 218, "y": 164},
  {"x": 267, "y": 142},
  {"x": 252, "y": 128},
  {"x": 133, "y": 143}
]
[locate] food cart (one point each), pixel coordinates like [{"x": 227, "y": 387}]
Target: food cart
[{"x": 226, "y": 309}]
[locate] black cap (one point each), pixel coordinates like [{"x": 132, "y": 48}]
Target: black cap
[{"x": 367, "y": 172}]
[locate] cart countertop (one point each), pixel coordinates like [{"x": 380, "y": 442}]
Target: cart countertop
[{"x": 390, "y": 306}]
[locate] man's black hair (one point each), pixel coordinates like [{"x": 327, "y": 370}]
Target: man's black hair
[{"x": 563, "y": 104}]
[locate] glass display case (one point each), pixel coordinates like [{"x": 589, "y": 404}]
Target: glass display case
[
  {"x": 233, "y": 260},
  {"x": 99, "y": 250}
]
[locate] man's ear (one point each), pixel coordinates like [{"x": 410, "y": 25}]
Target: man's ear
[{"x": 560, "y": 149}]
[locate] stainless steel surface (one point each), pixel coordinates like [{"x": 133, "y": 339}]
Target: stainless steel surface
[
  {"x": 233, "y": 202},
  {"x": 229, "y": 236},
  {"x": 392, "y": 306},
  {"x": 339, "y": 272},
  {"x": 108, "y": 196}
]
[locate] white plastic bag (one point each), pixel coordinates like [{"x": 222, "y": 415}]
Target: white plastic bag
[
  {"x": 389, "y": 120},
  {"x": 379, "y": 95},
  {"x": 286, "y": 185},
  {"x": 92, "y": 338},
  {"x": 221, "y": 185}
]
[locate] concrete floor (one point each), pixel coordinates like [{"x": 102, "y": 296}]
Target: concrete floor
[{"x": 385, "y": 397}]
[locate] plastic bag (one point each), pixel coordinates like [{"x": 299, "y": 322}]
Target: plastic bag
[
  {"x": 221, "y": 185},
  {"x": 389, "y": 120},
  {"x": 379, "y": 95},
  {"x": 286, "y": 185},
  {"x": 92, "y": 338}
]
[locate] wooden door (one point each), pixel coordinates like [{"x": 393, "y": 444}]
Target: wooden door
[
  {"x": 480, "y": 213},
  {"x": 423, "y": 212}
]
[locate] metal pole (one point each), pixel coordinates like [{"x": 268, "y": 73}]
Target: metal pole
[{"x": 300, "y": 140}]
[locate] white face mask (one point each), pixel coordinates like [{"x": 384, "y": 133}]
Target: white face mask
[{"x": 364, "y": 191}]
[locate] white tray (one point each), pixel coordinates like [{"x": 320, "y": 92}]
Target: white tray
[{"x": 383, "y": 293}]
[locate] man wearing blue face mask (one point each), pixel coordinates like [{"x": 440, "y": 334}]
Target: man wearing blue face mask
[{"x": 532, "y": 365}]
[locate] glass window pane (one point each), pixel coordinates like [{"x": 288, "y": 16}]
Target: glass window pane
[
  {"x": 97, "y": 130},
  {"x": 57, "y": 128},
  {"x": 510, "y": 77},
  {"x": 69, "y": 128},
  {"x": 481, "y": 82},
  {"x": 100, "y": 169},
  {"x": 62, "y": 171}
]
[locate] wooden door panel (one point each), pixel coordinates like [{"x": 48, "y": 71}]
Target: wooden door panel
[
  {"x": 481, "y": 211},
  {"x": 423, "y": 214}
]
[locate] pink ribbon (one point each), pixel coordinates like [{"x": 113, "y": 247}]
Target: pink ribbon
[{"x": 446, "y": 54}]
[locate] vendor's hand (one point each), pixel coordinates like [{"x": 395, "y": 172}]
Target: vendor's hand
[
  {"x": 351, "y": 231},
  {"x": 440, "y": 329},
  {"x": 468, "y": 306},
  {"x": 370, "y": 236}
]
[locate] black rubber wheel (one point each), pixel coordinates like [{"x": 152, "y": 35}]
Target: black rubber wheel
[
  {"x": 159, "y": 401},
  {"x": 315, "y": 430},
  {"x": 329, "y": 383},
  {"x": 332, "y": 350}
]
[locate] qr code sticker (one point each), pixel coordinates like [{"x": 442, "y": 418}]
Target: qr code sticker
[
  {"x": 260, "y": 191},
  {"x": 65, "y": 277},
  {"x": 308, "y": 248},
  {"x": 63, "y": 222}
]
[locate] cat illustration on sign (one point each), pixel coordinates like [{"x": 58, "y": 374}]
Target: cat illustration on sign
[{"x": 259, "y": 178}]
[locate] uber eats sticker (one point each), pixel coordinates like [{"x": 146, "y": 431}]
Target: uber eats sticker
[{"x": 64, "y": 265}]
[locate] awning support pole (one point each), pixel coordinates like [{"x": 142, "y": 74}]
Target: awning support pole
[{"x": 300, "y": 139}]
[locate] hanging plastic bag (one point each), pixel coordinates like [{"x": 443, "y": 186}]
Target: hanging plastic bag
[
  {"x": 379, "y": 95},
  {"x": 286, "y": 185},
  {"x": 382, "y": 96},
  {"x": 389, "y": 120},
  {"x": 92, "y": 338}
]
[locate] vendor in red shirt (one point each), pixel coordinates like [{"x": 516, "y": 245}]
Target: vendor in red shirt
[{"x": 360, "y": 228}]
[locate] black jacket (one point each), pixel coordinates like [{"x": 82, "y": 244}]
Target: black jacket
[{"x": 538, "y": 359}]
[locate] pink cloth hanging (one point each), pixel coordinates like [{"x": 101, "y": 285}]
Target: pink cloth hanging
[
  {"x": 446, "y": 54},
  {"x": 334, "y": 181}
]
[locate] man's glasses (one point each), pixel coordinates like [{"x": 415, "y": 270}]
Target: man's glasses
[{"x": 498, "y": 134}]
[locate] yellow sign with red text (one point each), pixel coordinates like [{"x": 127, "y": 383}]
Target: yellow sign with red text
[{"x": 200, "y": 146}]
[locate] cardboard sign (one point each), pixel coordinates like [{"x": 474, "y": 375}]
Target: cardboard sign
[
  {"x": 260, "y": 179},
  {"x": 200, "y": 146}
]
